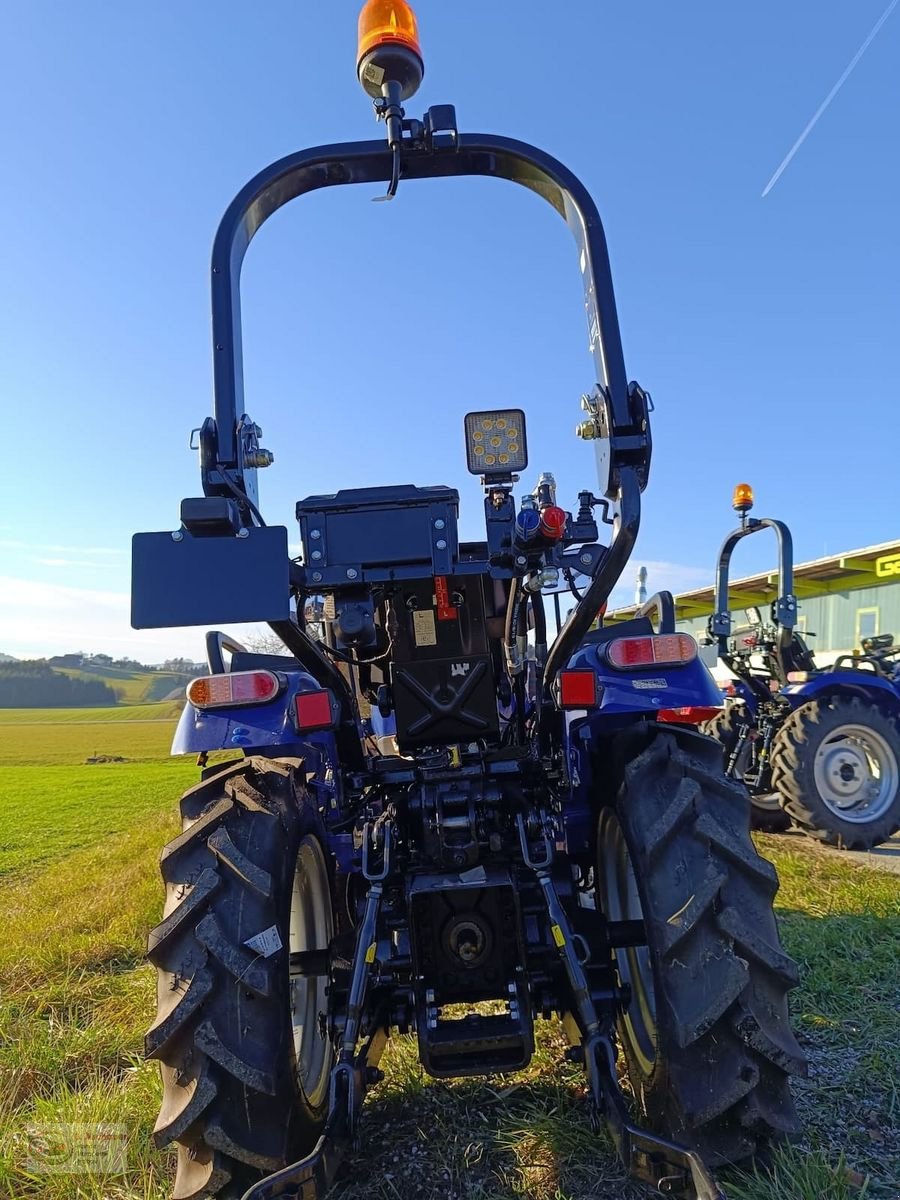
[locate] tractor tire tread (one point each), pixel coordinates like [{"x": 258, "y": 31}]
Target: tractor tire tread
[
  {"x": 230, "y": 856},
  {"x": 792, "y": 772},
  {"x": 222, "y": 1035},
  {"x": 720, "y": 1081}
]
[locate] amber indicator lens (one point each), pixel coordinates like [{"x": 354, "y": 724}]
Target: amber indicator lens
[
  {"x": 384, "y": 21},
  {"x": 742, "y": 500}
]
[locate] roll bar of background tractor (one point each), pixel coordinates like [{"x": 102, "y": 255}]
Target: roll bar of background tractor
[
  {"x": 785, "y": 607},
  {"x": 662, "y": 605},
  {"x": 435, "y": 149}
]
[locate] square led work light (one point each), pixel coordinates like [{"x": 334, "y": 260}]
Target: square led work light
[{"x": 495, "y": 442}]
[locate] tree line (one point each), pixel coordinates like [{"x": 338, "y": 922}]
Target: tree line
[{"x": 36, "y": 685}]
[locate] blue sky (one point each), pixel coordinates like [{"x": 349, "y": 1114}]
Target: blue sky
[{"x": 765, "y": 329}]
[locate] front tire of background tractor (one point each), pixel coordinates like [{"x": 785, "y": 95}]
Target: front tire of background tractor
[
  {"x": 836, "y": 763},
  {"x": 766, "y": 813},
  {"x": 240, "y": 1041},
  {"x": 706, "y": 1037}
]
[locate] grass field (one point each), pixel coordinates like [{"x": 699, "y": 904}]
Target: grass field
[
  {"x": 79, "y": 888},
  {"x": 167, "y": 711},
  {"x": 68, "y": 736}
]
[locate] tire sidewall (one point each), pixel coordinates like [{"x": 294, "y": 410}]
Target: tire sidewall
[
  {"x": 814, "y": 722},
  {"x": 308, "y": 825},
  {"x": 647, "y": 1087}
]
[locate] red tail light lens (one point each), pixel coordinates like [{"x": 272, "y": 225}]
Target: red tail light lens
[
  {"x": 232, "y": 688},
  {"x": 578, "y": 689},
  {"x": 631, "y": 652},
  {"x": 652, "y": 650},
  {"x": 687, "y": 716},
  {"x": 313, "y": 710}
]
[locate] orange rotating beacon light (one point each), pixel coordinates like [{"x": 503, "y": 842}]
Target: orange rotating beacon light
[{"x": 390, "y": 68}]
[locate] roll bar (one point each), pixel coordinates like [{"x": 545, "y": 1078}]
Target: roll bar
[
  {"x": 435, "y": 149},
  {"x": 663, "y": 605},
  {"x": 785, "y": 602}
]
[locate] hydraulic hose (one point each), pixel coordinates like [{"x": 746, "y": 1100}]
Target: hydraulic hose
[
  {"x": 517, "y": 597},
  {"x": 540, "y": 630},
  {"x": 612, "y": 565}
]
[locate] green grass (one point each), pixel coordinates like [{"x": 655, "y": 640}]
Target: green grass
[
  {"x": 841, "y": 922},
  {"x": 81, "y": 889},
  {"x": 167, "y": 711},
  {"x": 49, "y": 811},
  {"x": 75, "y": 1000},
  {"x": 61, "y": 745},
  {"x": 68, "y": 736}
]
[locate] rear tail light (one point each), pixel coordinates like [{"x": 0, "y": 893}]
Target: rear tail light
[
  {"x": 578, "y": 689},
  {"x": 692, "y": 715},
  {"x": 238, "y": 687},
  {"x": 313, "y": 710},
  {"x": 652, "y": 650}
]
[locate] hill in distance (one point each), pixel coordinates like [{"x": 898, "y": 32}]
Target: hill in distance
[{"x": 38, "y": 684}]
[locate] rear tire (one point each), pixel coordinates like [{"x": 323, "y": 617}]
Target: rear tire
[
  {"x": 766, "y": 813},
  {"x": 706, "y": 1038},
  {"x": 234, "y": 1100},
  {"x": 816, "y": 746}
]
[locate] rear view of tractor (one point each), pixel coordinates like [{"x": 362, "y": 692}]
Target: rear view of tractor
[
  {"x": 437, "y": 818},
  {"x": 817, "y": 748}
]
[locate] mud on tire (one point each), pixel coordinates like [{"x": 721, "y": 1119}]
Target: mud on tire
[
  {"x": 232, "y": 1099},
  {"x": 714, "y": 1072}
]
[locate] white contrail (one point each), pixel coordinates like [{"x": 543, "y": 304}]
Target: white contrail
[{"x": 831, "y": 95}]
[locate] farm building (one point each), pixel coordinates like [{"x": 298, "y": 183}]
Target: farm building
[{"x": 842, "y": 599}]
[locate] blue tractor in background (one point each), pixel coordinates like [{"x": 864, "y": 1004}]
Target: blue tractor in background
[
  {"x": 818, "y": 748},
  {"x": 432, "y": 817}
]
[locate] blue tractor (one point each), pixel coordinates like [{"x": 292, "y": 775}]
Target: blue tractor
[
  {"x": 818, "y": 748},
  {"x": 432, "y": 818}
]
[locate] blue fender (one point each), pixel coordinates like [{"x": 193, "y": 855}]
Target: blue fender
[
  {"x": 627, "y": 697},
  {"x": 866, "y": 685},
  {"x": 645, "y": 692},
  {"x": 746, "y": 695},
  {"x": 252, "y": 727}
]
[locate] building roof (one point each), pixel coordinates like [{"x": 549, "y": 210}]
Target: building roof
[{"x": 869, "y": 567}]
